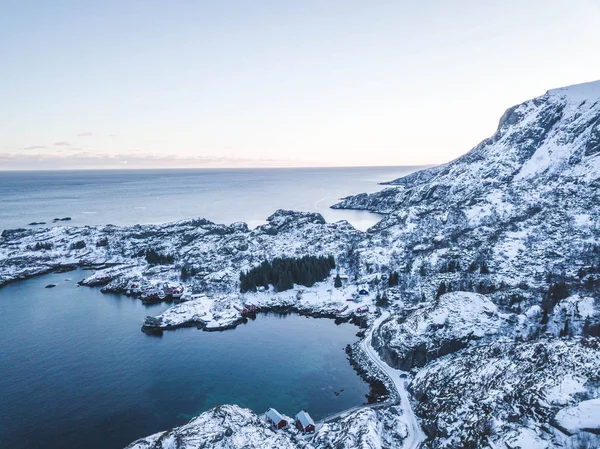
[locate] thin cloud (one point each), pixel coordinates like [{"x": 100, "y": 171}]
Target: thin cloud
[
  {"x": 85, "y": 134},
  {"x": 35, "y": 147},
  {"x": 88, "y": 159},
  {"x": 62, "y": 144}
]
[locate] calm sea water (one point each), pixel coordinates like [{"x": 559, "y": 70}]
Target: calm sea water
[
  {"x": 77, "y": 372},
  {"x": 129, "y": 197},
  {"x": 75, "y": 369}
]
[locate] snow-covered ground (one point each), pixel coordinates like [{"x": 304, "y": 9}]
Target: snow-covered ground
[
  {"x": 222, "y": 311},
  {"x": 583, "y": 416},
  {"x": 415, "y": 435},
  {"x": 512, "y": 227}
]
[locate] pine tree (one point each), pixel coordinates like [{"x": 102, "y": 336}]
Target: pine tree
[
  {"x": 484, "y": 268},
  {"x": 441, "y": 290},
  {"x": 565, "y": 330},
  {"x": 586, "y": 326},
  {"x": 337, "y": 283}
]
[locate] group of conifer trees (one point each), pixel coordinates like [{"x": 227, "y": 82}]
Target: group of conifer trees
[
  {"x": 284, "y": 272},
  {"x": 153, "y": 257}
]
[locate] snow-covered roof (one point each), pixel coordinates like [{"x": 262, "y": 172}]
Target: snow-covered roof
[
  {"x": 304, "y": 419},
  {"x": 274, "y": 416}
]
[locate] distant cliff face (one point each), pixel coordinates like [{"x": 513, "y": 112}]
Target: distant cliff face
[
  {"x": 552, "y": 138},
  {"x": 525, "y": 200},
  {"x": 518, "y": 219}
]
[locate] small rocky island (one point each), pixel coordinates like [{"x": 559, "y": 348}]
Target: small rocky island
[{"x": 482, "y": 281}]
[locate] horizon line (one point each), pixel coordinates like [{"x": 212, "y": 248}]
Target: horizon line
[{"x": 214, "y": 168}]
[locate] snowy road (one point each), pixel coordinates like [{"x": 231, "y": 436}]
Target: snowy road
[{"x": 415, "y": 433}]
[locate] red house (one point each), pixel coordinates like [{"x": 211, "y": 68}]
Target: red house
[
  {"x": 304, "y": 422},
  {"x": 275, "y": 419}
]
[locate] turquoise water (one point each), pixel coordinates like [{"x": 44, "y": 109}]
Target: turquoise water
[{"x": 76, "y": 371}]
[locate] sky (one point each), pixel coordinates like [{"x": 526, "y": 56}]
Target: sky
[{"x": 141, "y": 84}]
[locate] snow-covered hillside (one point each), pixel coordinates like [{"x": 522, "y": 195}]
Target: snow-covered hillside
[
  {"x": 517, "y": 220},
  {"x": 214, "y": 253},
  {"x": 495, "y": 307},
  {"x": 438, "y": 328},
  {"x": 232, "y": 427}
]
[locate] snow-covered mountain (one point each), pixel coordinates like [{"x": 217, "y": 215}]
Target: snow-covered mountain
[
  {"x": 517, "y": 220},
  {"x": 496, "y": 312},
  {"x": 550, "y": 138},
  {"x": 523, "y": 202}
]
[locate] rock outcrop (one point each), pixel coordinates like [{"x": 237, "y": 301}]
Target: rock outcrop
[{"x": 442, "y": 327}]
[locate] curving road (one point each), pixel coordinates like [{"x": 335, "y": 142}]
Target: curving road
[{"x": 415, "y": 433}]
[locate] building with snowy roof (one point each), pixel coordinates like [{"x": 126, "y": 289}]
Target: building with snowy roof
[
  {"x": 275, "y": 419},
  {"x": 304, "y": 422}
]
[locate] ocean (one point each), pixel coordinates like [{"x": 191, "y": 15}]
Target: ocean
[
  {"x": 129, "y": 197},
  {"x": 76, "y": 371}
]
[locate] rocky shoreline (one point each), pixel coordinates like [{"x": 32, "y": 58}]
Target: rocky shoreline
[{"x": 488, "y": 267}]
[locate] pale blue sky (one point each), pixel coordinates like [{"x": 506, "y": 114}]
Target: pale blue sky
[{"x": 246, "y": 83}]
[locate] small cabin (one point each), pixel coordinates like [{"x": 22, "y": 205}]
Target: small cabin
[
  {"x": 275, "y": 419},
  {"x": 304, "y": 422},
  {"x": 363, "y": 292},
  {"x": 344, "y": 278}
]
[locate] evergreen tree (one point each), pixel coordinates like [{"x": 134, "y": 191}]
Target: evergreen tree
[
  {"x": 586, "y": 326},
  {"x": 484, "y": 268},
  {"x": 565, "y": 330},
  {"x": 382, "y": 301},
  {"x": 155, "y": 258},
  {"x": 285, "y": 282},
  {"x": 441, "y": 290},
  {"x": 284, "y": 272},
  {"x": 337, "y": 283}
]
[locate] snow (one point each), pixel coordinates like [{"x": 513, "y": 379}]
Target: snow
[
  {"x": 576, "y": 305},
  {"x": 415, "y": 434},
  {"x": 455, "y": 318},
  {"x": 522, "y": 200},
  {"x": 533, "y": 312},
  {"x": 583, "y": 220},
  {"x": 225, "y": 427},
  {"x": 579, "y": 92},
  {"x": 527, "y": 439},
  {"x": 215, "y": 312},
  {"x": 563, "y": 393},
  {"x": 583, "y": 416}
]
